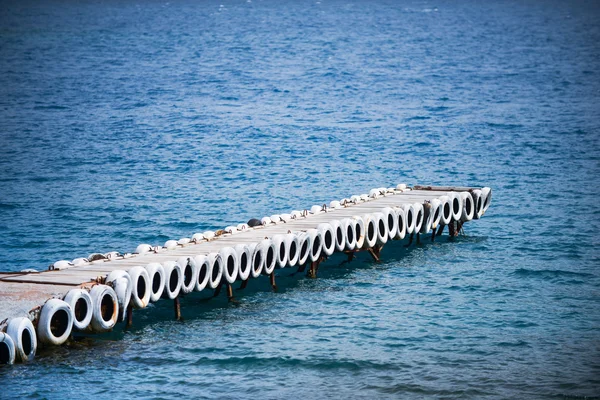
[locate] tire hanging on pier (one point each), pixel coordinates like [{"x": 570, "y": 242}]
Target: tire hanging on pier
[
  {"x": 316, "y": 244},
  {"x": 269, "y": 256},
  {"x": 173, "y": 280},
  {"x": 203, "y": 268},
  {"x": 391, "y": 218},
  {"x": 122, "y": 285},
  {"x": 359, "y": 232},
  {"x": 328, "y": 235},
  {"x": 81, "y": 307},
  {"x": 468, "y": 209},
  {"x": 339, "y": 235},
  {"x": 55, "y": 322},
  {"x": 7, "y": 349},
  {"x": 189, "y": 274},
  {"x": 105, "y": 309},
  {"x": 349, "y": 227},
  {"x": 400, "y": 223},
  {"x": 140, "y": 290},
  {"x": 409, "y": 217},
  {"x": 446, "y": 210},
  {"x": 383, "y": 230},
  {"x": 156, "y": 274},
  {"x": 293, "y": 245},
  {"x": 230, "y": 264},
  {"x": 22, "y": 332},
  {"x": 244, "y": 260},
  {"x": 478, "y": 201},
  {"x": 486, "y": 193},
  {"x": 305, "y": 248},
  {"x": 257, "y": 260},
  {"x": 282, "y": 251},
  {"x": 419, "y": 215},
  {"x": 371, "y": 231}
]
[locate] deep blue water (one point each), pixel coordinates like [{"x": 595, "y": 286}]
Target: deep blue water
[{"x": 128, "y": 122}]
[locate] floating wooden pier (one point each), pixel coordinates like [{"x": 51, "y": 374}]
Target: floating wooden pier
[{"x": 94, "y": 294}]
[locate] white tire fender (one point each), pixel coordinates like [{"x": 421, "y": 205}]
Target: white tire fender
[
  {"x": 244, "y": 261},
  {"x": 7, "y": 349},
  {"x": 55, "y": 323},
  {"x": 140, "y": 288},
  {"x": 400, "y": 224},
  {"x": 257, "y": 260},
  {"x": 419, "y": 216},
  {"x": 339, "y": 234},
  {"x": 359, "y": 232},
  {"x": 22, "y": 332},
  {"x": 156, "y": 274},
  {"x": 305, "y": 248},
  {"x": 203, "y": 267},
  {"x": 370, "y": 231},
  {"x": 445, "y": 210},
  {"x": 409, "y": 217},
  {"x": 230, "y": 264},
  {"x": 468, "y": 207},
  {"x": 382, "y": 227},
  {"x": 391, "y": 217},
  {"x": 316, "y": 244},
  {"x": 173, "y": 279},
  {"x": 81, "y": 307},
  {"x": 486, "y": 193},
  {"x": 269, "y": 255},
  {"x": 349, "y": 226},
  {"x": 282, "y": 250},
  {"x": 216, "y": 270},
  {"x": 105, "y": 308},
  {"x": 189, "y": 272},
  {"x": 328, "y": 235},
  {"x": 122, "y": 285}
]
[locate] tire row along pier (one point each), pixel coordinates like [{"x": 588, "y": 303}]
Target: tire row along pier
[{"x": 95, "y": 293}]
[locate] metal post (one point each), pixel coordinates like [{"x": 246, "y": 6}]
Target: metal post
[
  {"x": 177, "y": 308},
  {"x": 272, "y": 280}
]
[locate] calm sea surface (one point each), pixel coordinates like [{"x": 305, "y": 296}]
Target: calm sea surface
[{"x": 127, "y": 122}]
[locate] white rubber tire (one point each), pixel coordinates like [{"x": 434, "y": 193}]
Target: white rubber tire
[
  {"x": 269, "y": 255},
  {"x": 215, "y": 273},
  {"x": 293, "y": 245},
  {"x": 359, "y": 232},
  {"x": 419, "y": 216},
  {"x": 189, "y": 272},
  {"x": 370, "y": 231},
  {"x": 328, "y": 235},
  {"x": 230, "y": 264},
  {"x": 455, "y": 205},
  {"x": 486, "y": 193},
  {"x": 445, "y": 210},
  {"x": 383, "y": 230},
  {"x": 305, "y": 246},
  {"x": 7, "y": 349},
  {"x": 122, "y": 285},
  {"x": 140, "y": 288},
  {"x": 468, "y": 206},
  {"x": 339, "y": 235},
  {"x": 258, "y": 261},
  {"x": 81, "y": 307},
  {"x": 244, "y": 261},
  {"x": 400, "y": 223},
  {"x": 282, "y": 251},
  {"x": 409, "y": 217},
  {"x": 202, "y": 275},
  {"x": 55, "y": 323},
  {"x": 316, "y": 244},
  {"x": 105, "y": 309},
  {"x": 391, "y": 217},
  {"x": 478, "y": 201},
  {"x": 156, "y": 274},
  {"x": 173, "y": 279},
  {"x": 349, "y": 226},
  {"x": 22, "y": 332}
]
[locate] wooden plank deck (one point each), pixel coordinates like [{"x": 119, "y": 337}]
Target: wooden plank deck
[{"x": 21, "y": 292}]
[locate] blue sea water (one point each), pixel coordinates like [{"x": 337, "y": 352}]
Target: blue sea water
[{"x": 127, "y": 122}]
